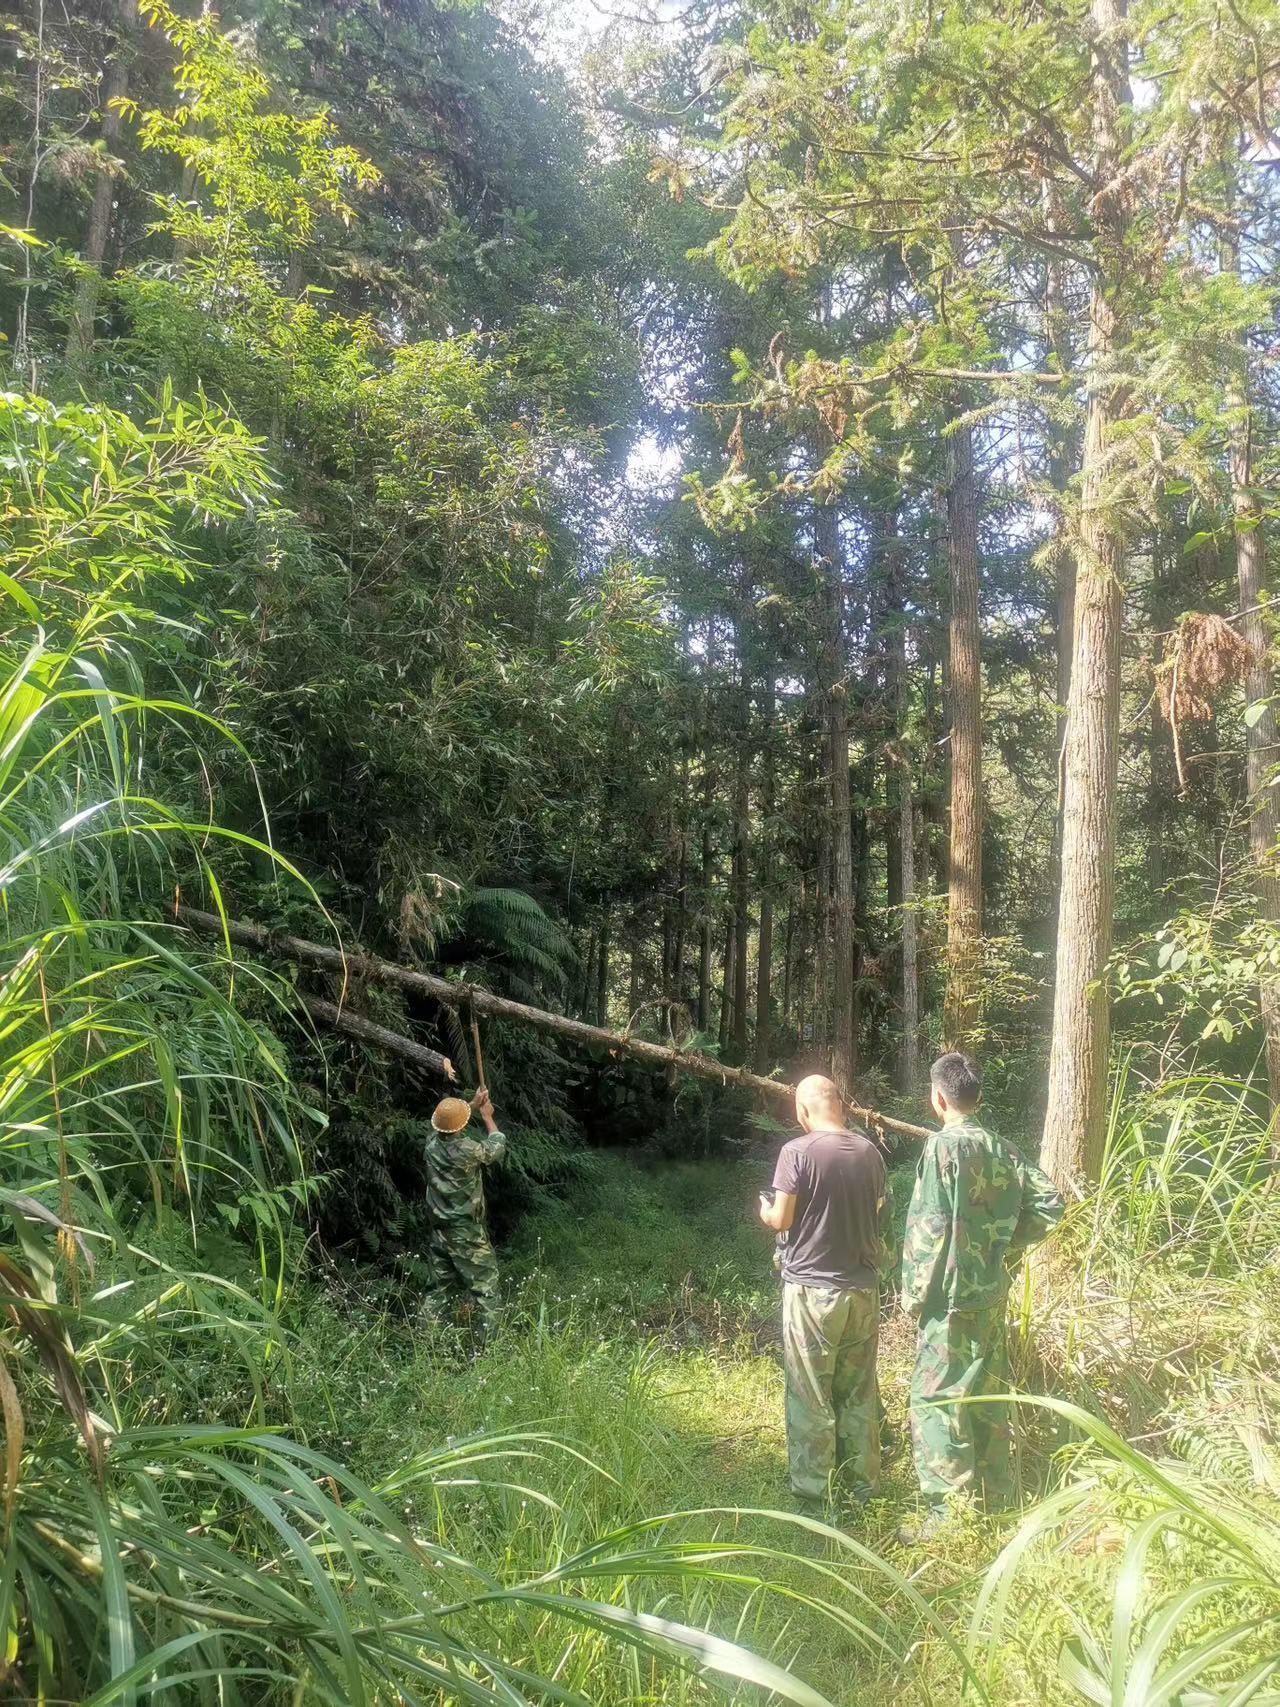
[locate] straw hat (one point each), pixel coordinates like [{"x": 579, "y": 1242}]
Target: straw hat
[{"x": 451, "y": 1115}]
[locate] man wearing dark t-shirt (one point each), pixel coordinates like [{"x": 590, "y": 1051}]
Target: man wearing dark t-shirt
[{"x": 831, "y": 1197}]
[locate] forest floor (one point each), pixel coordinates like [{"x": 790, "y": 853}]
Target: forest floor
[{"x": 643, "y": 1328}]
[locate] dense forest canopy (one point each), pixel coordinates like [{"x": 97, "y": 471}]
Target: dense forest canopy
[{"x": 748, "y": 525}]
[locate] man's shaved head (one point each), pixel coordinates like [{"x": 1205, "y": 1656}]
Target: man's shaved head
[{"x": 818, "y": 1103}]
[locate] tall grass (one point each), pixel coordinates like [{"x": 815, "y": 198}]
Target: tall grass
[{"x": 1152, "y": 1574}]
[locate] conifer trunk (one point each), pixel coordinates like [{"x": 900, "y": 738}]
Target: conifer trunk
[
  {"x": 1063, "y": 456},
  {"x": 1075, "y": 1122},
  {"x": 726, "y": 981},
  {"x": 587, "y": 995},
  {"x": 97, "y": 235},
  {"x": 964, "y": 893},
  {"x": 602, "y": 974},
  {"x": 1262, "y": 736},
  {"x": 788, "y": 939},
  {"x": 910, "y": 1058},
  {"x": 844, "y": 1049},
  {"x": 764, "y": 944},
  {"x": 742, "y": 878},
  {"x": 706, "y": 921},
  {"x": 1160, "y": 768},
  {"x": 633, "y": 991},
  {"x": 861, "y": 841},
  {"x": 909, "y": 1054},
  {"x": 679, "y": 989}
]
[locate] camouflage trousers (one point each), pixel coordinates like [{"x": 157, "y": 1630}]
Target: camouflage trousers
[
  {"x": 961, "y": 1449},
  {"x": 466, "y": 1267},
  {"x": 829, "y": 1353}
]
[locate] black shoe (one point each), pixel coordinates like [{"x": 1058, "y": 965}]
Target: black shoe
[
  {"x": 890, "y": 1445},
  {"x": 937, "y": 1521},
  {"x": 808, "y": 1506}
]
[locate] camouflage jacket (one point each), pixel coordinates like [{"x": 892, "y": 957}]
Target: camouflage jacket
[
  {"x": 455, "y": 1177},
  {"x": 976, "y": 1205}
]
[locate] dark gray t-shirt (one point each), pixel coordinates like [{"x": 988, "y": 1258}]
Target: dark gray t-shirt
[{"x": 838, "y": 1181}]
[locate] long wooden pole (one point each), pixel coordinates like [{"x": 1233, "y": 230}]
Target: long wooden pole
[{"x": 470, "y": 997}]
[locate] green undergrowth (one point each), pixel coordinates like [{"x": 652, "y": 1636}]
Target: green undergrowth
[
  {"x": 641, "y": 1331},
  {"x": 632, "y": 1401}
]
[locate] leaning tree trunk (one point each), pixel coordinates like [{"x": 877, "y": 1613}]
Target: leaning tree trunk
[
  {"x": 1075, "y": 1122},
  {"x": 844, "y": 1046},
  {"x": 964, "y": 893},
  {"x": 1262, "y": 737},
  {"x": 469, "y": 999}
]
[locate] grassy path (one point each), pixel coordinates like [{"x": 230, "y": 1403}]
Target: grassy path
[
  {"x": 673, "y": 1259},
  {"x": 643, "y": 1329}
]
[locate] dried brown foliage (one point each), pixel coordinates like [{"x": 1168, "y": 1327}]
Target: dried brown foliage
[{"x": 1203, "y": 656}]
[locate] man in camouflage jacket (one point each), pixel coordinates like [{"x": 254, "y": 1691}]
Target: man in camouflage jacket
[
  {"x": 976, "y": 1207},
  {"x": 460, "y": 1251}
]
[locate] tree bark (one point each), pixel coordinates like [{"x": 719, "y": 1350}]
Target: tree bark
[
  {"x": 367, "y": 1031},
  {"x": 706, "y": 923},
  {"x": 1075, "y": 1122},
  {"x": 634, "y": 987},
  {"x": 726, "y": 981},
  {"x": 1063, "y": 456},
  {"x": 764, "y": 945},
  {"x": 844, "y": 1046},
  {"x": 602, "y": 974},
  {"x": 1262, "y": 736},
  {"x": 469, "y": 998},
  {"x": 860, "y": 842},
  {"x": 24, "y": 362},
  {"x": 742, "y": 872},
  {"x": 587, "y": 994},
  {"x": 115, "y": 83},
  {"x": 1161, "y": 783},
  {"x": 788, "y": 938},
  {"x": 679, "y": 988},
  {"x": 909, "y": 1054},
  {"x": 932, "y": 808},
  {"x": 964, "y": 892},
  {"x": 668, "y": 956},
  {"x": 910, "y": 1057}
]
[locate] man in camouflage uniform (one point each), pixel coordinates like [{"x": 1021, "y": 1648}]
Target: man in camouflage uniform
[
  {"x": 976, "y": 1207},
  {"x": 831, "y": 1198},
  {"x": 461, "y": 1254}
]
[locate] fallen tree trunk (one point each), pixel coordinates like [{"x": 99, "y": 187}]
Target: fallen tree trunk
[
  {"x": 469, "y": 998},
  {"x": 368, "y": 1031}
]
